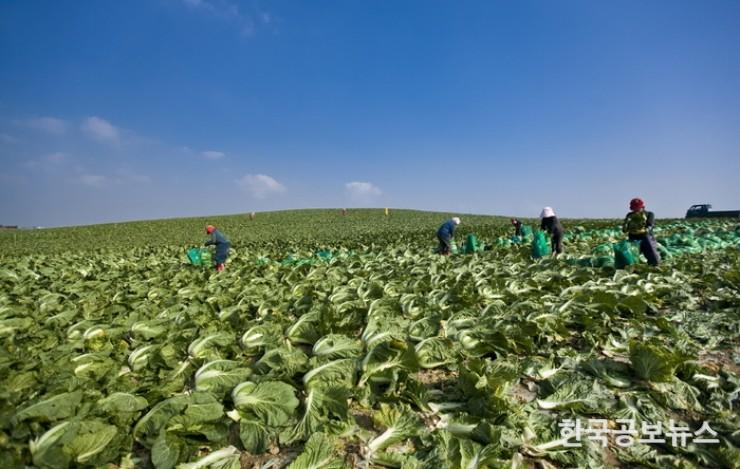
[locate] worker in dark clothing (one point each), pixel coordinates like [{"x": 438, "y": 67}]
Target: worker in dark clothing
[
  {"x": 551, "y": 224},
  {"x": 445, "y": 234},
  {"x": 638, "y": 224},
  {"x": 517, "y": 227},
  {"x": 222, "y": 246}
]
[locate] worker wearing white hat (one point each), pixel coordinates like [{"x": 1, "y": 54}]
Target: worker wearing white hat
[
  {"x": 551, "y": 224},
  {"x": 445, "y": 234}
]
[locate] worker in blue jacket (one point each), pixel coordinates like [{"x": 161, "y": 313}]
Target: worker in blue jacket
[
  {"x": 445, "y": 234},
  {"x": 222, "y": 246}
]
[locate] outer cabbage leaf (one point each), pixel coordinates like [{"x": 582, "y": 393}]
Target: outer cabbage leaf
[
  {"x": 435, "y": 352},
  {"x": 319, "y": 452},
  {"x": 47, "y": 450},
  {"x": 254, "y": 435},
  {"x": 306, "y": 329},
  {"x": 399, "y": 422},
  {"x": 271, "y": 402},
  {"x": 58, "y": 407},
  {"x": 121, "y": 402},
  {"x": 92, "y": 438},
  {"x": 393, "y": 355},
  {"x": 148, "y": 427},
  {"x": 324, "y": 408},
  {"x": 166, "y": 450},
  {"x": 220, "y": 376},
  {"x": 340, "y": 371},
  {"x": 337, "y": 346},
  {"x": 653, "y": 362},
  {"x": 225, "y": 458}
]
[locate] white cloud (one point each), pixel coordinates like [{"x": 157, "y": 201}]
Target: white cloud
[
  {"x": 50, "y": 125},
  {"x": 260, "y": 185},
  {"x": 362, "y": 190},
  {"x": 140, "y": 178},
  {"x": 121, "y": 176},
  {"x": 213, "y": 155},
  {"x": 229, "y": 11},
  {"x": 101, "y": 130},
  {"x": 93, "y": 180},
  {"x": 220, "y": 8},
  {"x": 125, "y": 176}
]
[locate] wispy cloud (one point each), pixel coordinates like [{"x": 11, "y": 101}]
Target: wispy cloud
[
  {"x": 213, "y": 155},
  {"x": 125, "y": 176},
  {"x": 229, "y": 11},
  {"x": 260, "y": 185},
  {"x": 50, "y": 125},
  {"x": 122, "y": 176},
  {"x": 362, "y": 190},
  {"x": 93, "y": 180},
  {"x": 100, "y": 129}
]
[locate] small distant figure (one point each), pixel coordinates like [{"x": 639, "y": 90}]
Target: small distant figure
[
  {"x": 517, "y": 227},
  {"x": 387, "y": 212},
  {"x": 445, "y": 233},
  {"x": 551, "y": 224},
  {"x": 222, "y": 246},
  {"x": 638, "y": 224},
  {"x": 344, "y": 212},
  {"x": 252, "y": 216}
]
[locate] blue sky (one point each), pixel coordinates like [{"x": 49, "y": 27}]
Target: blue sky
[{"x": 115, "y": 110}]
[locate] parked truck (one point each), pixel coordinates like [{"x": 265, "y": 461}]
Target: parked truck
[{"x": 704, "y": 211}]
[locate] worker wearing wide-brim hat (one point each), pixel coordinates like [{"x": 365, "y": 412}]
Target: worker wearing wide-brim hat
[
  {"x": 222, "y": 246},
  {"x": 638, "y": 224},
  {"x": 551, "y": 224},
  {"x": 445, "y": 234}
]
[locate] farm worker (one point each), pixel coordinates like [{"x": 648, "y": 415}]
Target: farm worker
[
  {"x": 445, "y": 234},
  {"x": 638, "y": 224},
  {"x": 551, "y": 224},
  {"x": 222, "y": 246},
  {"x": 517, "y": 226}
]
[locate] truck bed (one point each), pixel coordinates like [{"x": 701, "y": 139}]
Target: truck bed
[{"x": 716, "y": 214}]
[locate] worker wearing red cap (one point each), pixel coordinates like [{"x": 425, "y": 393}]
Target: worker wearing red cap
[
  {"x": 638, "y": 224},
  {"x": 222, "y": 246}
]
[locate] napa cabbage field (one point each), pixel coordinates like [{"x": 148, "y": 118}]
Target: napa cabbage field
[{"x": 337, "y": 341}]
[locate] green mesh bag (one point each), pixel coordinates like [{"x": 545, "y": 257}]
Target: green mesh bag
[
  {"x": 194, "y": 256},
  {"x": 471, "y": 244},
  {"x": 540, "y": 246},
  {"x": 526, "y": 231},
  {"x": 200, "y": 256},
  {"x": 626, "y": 253}
]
